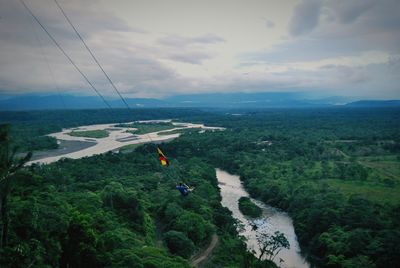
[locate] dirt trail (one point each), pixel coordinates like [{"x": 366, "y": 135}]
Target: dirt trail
[{"x": 199, "y": 258}]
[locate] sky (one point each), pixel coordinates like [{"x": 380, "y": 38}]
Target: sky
[{"x": 161, "y": 48}]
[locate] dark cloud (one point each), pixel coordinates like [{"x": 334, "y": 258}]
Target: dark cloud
[
  {"x": 180, "y": 41},
  {"x": 350, "y": 75},
  {"x": 90, "y": 19},
  {"x": 349, "y": 11},
  {"x": 300, "y": 49},
  {"x": 346, "y": 28},
  {"x": 180, "y": 48},
  {"x": 190, "y": 57},
  {"x": 134, "y": 67},
  {"x": 26, "y": 49},
  {"x": 208, "y": 39},
  {"x": 318, "y": 30},
  {"x": 344, "y": 18},
  {"x": 18, "y": 25},
  {"x": 305, "y": 17},
  {"x": 269, "y": 24}
]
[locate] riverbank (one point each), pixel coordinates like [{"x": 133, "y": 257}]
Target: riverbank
[
  {"x": 117, "y": 138},
  {"x": 65, "y": 147},
  {"x": 271, "y": 220}
]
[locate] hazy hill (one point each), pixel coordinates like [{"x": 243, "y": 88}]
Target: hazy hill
[
  {"x": 34, "y": 102},
  {"x": 217, "y": 100},
  {"x": 375, "y": 103}
]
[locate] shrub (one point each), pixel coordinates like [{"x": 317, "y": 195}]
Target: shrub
[{"x": 179, "y": 244}]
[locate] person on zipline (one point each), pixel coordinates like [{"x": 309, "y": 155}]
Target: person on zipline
[{"x": 184, "y": 189}]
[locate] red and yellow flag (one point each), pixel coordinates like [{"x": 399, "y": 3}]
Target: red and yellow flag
[{"x": 163, "y": 159}]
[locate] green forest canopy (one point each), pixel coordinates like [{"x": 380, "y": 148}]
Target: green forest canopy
[
  {"x": 248, "y": 208},
  {"x": 336, "y": 171},
  {"x": 90, "y": 133}
]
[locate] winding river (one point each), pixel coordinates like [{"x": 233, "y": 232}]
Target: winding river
[
  {"x": 231, "y": 188},
  {"x": 271, "y": 220},
  {"x": 78, "y": 147}
]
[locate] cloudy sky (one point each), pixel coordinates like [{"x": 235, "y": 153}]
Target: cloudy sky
[{"x": 158, "y": 48}]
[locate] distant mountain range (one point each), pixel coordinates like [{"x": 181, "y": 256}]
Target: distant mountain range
[
  {"x": 216, "y": 100},
  {"x": 375, "y": 103},
  {"x": 52, "y": 102}
]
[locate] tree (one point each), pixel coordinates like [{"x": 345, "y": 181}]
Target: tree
[
  {"x": 79, "y": 244},
  {"x": 9, "y": 165},
  {"x": 193, "y": 226},
  {"x": 271, "y": 245},
  {"x": 179, "y": 244},
  {"x": 358, "y": 261}
]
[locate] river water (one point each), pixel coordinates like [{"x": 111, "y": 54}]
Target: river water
[
  {"x": 271, "y": 220},
  {"x": 79, "y": 147},
  {"x": 231, "y": 188}
]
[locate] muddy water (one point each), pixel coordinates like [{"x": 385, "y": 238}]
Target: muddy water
[
  {"x": 118, "y": 137},
  {"x": 271, "y": 220}
]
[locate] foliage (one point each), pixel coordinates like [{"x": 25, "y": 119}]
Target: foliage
[
  {"x": 248, "y": 208},
  {"x": 143, "y": 128},
  {"x": 29, "y": 127},
  {"x": 271, "y": 245},
  {"x": 9, "y": 166},
  {"x": 308, "y": 163},
  {"x": 104, "y": 211},
  {"x": 178, "y": 243},
  {"x": 180, "y": 131},
  {"x": 97, "y": 134},
  {"x": 194, "y": 226},
  {"x": 335, "y": 171}
]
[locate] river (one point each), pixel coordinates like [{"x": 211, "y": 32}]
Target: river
[
  {"x": 78, "y": 147},
  {"x": 231, "y": 188},
  {"x": 271, "y": 220}
]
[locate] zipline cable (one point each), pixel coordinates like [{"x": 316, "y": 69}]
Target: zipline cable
[
  {"x": 65, "y": 54},
  {"x": 91, "y": 54},
  {"x": 76, "y": 67},
  {"x": 42, "y": 52},
  {"x": 96, "y": 61}
]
